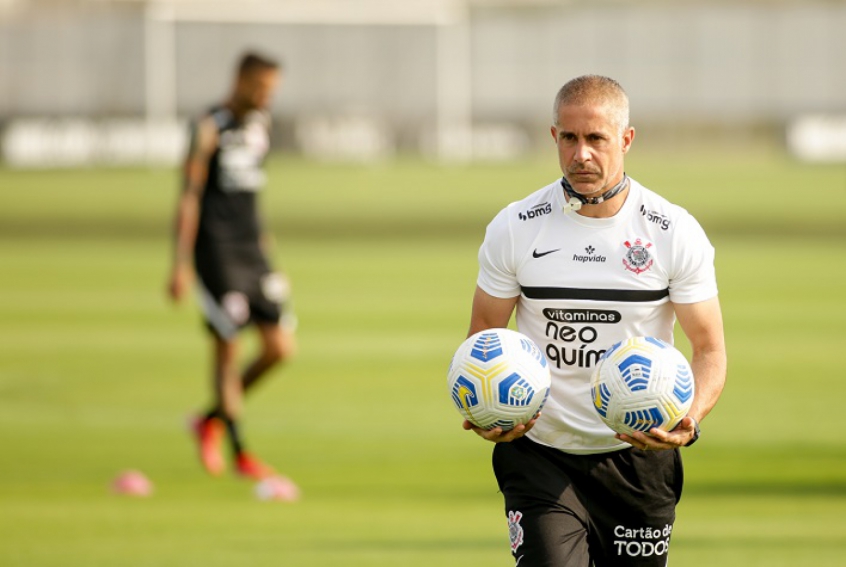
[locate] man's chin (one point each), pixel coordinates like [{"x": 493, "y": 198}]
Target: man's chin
[{"x": 585, "y": 188}]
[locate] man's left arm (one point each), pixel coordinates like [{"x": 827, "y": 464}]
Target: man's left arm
[{"x": 702, "y": 323}]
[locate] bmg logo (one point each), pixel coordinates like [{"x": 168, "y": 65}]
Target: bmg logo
[{"x": 536, "y": 211}]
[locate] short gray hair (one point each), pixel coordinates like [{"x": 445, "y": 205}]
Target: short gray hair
[{"x": 595, "y": 90}]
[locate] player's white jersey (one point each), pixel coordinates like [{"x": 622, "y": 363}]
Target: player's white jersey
[{"x": 586, "y": 283}]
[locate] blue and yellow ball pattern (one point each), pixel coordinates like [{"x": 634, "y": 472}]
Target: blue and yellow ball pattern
[
  {"x": 641, "y": 383},
  {"x": 498, "y": 378}
]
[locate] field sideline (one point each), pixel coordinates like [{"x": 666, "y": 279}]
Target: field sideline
[{"x": 98, "y": 373}]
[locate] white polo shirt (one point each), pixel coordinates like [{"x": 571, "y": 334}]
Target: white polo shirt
[{"x": 585, "y": 283}]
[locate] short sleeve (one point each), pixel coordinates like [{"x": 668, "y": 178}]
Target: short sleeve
[
  {"x": 693, "y": 278},
  {"x": 497, "y": 268}
]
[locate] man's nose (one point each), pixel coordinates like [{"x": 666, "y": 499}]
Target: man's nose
[{"x": 582, "y": 153}]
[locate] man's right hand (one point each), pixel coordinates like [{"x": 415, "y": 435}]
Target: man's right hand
[
  {"x": 180, "y": 280},
  {"x": 497, "y": 435}
]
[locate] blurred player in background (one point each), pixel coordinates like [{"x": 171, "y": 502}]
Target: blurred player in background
[
  {"x": 218, "y": 230},
  {"x": 589, "y": 260}
]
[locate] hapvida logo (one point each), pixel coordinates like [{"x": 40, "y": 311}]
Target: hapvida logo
[
  {"x": 590, "y": 255},
  {"x": 536, "y": 211}
]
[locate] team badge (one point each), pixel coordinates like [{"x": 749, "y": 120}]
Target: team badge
[
  {"x": 518, "y": 392},
  {"x": 236, "y": 305},
  {"x": 515, "y": 530},
  {"x": 638, "y": 259},
  {"x": 275, "y": 287}
]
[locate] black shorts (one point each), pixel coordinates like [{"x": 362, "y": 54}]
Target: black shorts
[
  {"x": 238, "y": 287},
  {"x": 610, "y": 509}
]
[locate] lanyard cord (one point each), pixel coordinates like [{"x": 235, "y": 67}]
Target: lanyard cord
[{"x": 576, "y": 201}]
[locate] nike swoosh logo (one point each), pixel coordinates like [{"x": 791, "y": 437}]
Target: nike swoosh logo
[
  {"x": 518, "y": 561},
  {"x": 537, "y": 254}
]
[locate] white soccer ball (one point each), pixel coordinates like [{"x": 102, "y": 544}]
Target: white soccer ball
[
  {"x": 641, "y": 383},
  {"x": 498, "y": 378}
]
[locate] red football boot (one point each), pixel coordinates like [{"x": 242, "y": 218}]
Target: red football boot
[
  {"x": 250, "y": 467},
  {"x": 209, "y": 433}
]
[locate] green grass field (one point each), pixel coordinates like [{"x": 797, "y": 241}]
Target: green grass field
[{"x": 98, "y": 373}]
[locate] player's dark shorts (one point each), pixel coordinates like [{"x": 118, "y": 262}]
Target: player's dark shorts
[
  {"x": 237, "y": 287},
  {"x": 610, "y": 509}
]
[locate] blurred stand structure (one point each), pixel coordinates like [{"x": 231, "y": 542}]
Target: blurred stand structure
[{"x": 114, "y": 81}]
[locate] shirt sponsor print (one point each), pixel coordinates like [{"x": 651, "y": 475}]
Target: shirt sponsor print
[
  {"x": 242, "y": 151},
  {"x": 590, "y": 255},
  {"x": 569, "y": 354},
  {"x": 656, "y": 217},
  {"x": 642, "y": 541},
  {"x": 534, "y": 212},
  {"x": 570, "y": 342}
]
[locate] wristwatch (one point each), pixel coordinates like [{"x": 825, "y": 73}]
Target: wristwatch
[{"x": 696, "y": 433}]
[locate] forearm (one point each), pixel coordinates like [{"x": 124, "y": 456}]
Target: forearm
[
  {"x": 709, "y": 374},
  {"x": 185, "y": 232},
  {"x": 702, "y": 323}
]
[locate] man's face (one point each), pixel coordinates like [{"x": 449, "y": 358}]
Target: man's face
[
  {"x": 590, "y": 147},
  {"x": 254, "y": 89}
]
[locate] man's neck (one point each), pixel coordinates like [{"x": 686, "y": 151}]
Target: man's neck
[
  {"x": 605, "y": 202},
  {"x": 605, "y": 209}
]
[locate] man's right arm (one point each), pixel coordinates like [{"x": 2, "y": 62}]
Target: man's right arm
[
  {"x": 196, "y": 170},
  {"x": 491, "y": 312}
]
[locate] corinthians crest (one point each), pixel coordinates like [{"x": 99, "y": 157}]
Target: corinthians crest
[
  {"x": 515, "y": 530},
  {"x": 637, "y": 259}
]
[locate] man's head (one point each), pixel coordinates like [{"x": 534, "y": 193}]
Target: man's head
[
  {"x": 256, "y": 80},
  {"x": 591, "y": 129}
]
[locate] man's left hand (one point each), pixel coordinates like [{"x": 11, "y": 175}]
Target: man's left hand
[{"x": 658, "y": 440}]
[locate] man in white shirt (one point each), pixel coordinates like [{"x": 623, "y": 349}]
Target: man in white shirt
[{"x": 587, "y": 261}]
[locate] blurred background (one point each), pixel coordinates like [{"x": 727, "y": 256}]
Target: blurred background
[
  {"x": 401, "y": 129},
  {"x": 99, "y": 81}
]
